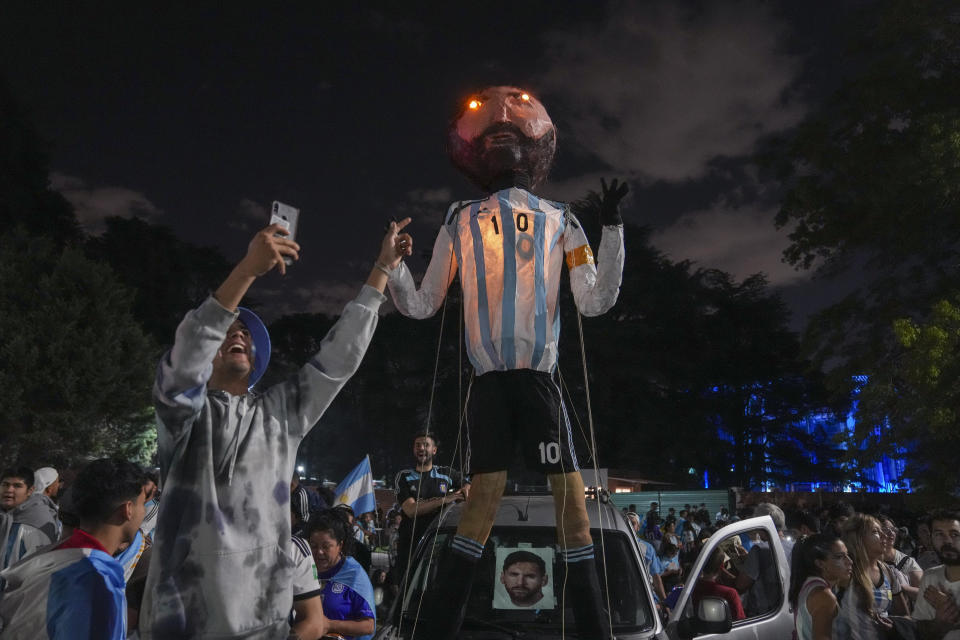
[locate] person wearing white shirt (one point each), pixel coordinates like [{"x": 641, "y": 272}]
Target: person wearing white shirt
[{"x": 936, "y": 610}]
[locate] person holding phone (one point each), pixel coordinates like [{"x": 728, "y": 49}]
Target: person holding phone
[{"x": 222, "y": 563}]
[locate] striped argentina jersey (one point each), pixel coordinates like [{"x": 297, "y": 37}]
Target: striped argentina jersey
[{"x": 510, "y": 249}]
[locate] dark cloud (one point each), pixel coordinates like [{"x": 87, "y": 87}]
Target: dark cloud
[
  {"x": 658, "y": 92},
  {"x": 94, "y": 204},
  {"x": 251, "y": 216},
  {"x": 662, "y": 93},
  {"x": 318, "y": 107},
  {"x": 739, "y": 240},
  {"x": 429, "y": 196},
  {"x": 326, "y": 297},
  {"x": 425, "y": 203}
]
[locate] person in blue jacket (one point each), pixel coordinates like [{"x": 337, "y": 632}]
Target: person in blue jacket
[
  {"x": 346, "y": 589},
  {"x": 76, "y": 589}
]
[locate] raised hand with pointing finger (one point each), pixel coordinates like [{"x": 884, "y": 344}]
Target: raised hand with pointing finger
[{"x": 395, "y": 245}]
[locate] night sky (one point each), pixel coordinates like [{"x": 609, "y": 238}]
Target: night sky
[{"x": 198, "y": 117}]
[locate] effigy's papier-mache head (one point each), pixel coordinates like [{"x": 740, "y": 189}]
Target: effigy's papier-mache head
[{"x": 502, "y": 133}]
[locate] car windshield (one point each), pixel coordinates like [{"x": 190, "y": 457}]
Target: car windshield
[{"x": 520, "y": 582}]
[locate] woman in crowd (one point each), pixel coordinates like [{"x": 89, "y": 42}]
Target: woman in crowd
[
  {"x": 820, "y": 562},
  {"x": 874, "y": 592},
  {"x": 906, "y": 569},
  {"x": 348, "y": 600},
  {"x": 670, "y": 532}
]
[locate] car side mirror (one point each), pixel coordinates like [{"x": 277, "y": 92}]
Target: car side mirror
[{"x": 713, "y": 616}]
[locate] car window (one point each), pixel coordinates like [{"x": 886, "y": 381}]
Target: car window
[
  {"x": 520, "y": 581},
  {"x": 742, "y": 570}
]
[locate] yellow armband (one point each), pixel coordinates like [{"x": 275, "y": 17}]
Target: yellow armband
[{"x": 579, "y": 256}]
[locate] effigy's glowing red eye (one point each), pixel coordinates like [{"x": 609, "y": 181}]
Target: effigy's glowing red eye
[
  {"x": 525, "y": 97},
  {"x": 474, "y": 104}
]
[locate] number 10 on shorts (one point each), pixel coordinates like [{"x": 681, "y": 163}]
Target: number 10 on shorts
[{"x": 549, "y": 453}]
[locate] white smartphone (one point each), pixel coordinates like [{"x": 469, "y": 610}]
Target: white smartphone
[{"x": 287, "y": 217}]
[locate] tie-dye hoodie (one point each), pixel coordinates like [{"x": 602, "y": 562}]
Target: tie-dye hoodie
[{"x": 221, "y": 565}]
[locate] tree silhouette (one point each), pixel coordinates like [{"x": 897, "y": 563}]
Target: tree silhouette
[{"x": 75, "y": 366}]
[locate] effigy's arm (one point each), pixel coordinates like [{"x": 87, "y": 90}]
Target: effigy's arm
[
  {"x": 595, "y": 284},
  {"x": 424, "y": 301}
]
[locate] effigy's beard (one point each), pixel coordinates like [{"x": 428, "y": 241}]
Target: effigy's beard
[{"x": 486, "y": 166}]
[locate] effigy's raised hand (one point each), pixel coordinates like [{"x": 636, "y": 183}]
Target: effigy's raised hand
[{"x": 610, "y": 198}]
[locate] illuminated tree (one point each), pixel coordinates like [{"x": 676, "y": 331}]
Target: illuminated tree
[
  {"x": 871, "y": 193},
  {"x": 917, "y": 391}
]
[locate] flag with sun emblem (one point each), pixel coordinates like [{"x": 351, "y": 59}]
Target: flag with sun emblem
[{"x": 356, "y": 489}]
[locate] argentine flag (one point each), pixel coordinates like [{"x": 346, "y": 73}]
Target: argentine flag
[{"x": 356, "y": 489}]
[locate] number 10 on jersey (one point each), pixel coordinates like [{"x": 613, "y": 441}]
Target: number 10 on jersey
[
  {"x": 549, "y": 453},
  {"x": 522, "y": 222}
]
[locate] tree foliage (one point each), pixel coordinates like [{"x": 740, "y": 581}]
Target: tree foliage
[
  {"x": 875, "y": 170},
  {"x": 691, "y": 369},
  {"x": 871, "y": 189},
  {"x": 26, "y": 198},
  {"x": 917, "y": 391},
  {"x": 167, "y": 274},
  {"x": 75, "y": 366}
]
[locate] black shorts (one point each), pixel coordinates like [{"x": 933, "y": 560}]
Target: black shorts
[{"x": 518, "y": 406}]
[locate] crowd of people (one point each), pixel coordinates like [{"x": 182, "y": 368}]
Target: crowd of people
[
  {"x": 853, "y": 575},
  {"x": 224, "y": 549},
  {"x": 110, "y": 509},
  {"x": 216, "y": 554}
]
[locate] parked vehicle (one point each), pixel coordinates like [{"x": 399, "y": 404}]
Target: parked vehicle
[
  {"x": 773, "y": 620},
  {"x": 526, "y": 523}
]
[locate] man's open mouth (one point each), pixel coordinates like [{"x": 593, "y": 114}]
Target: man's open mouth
[{"x": 237, "y": 348}]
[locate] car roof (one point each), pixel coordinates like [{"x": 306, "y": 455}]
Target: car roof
[{"x": 538, "y": 511}]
